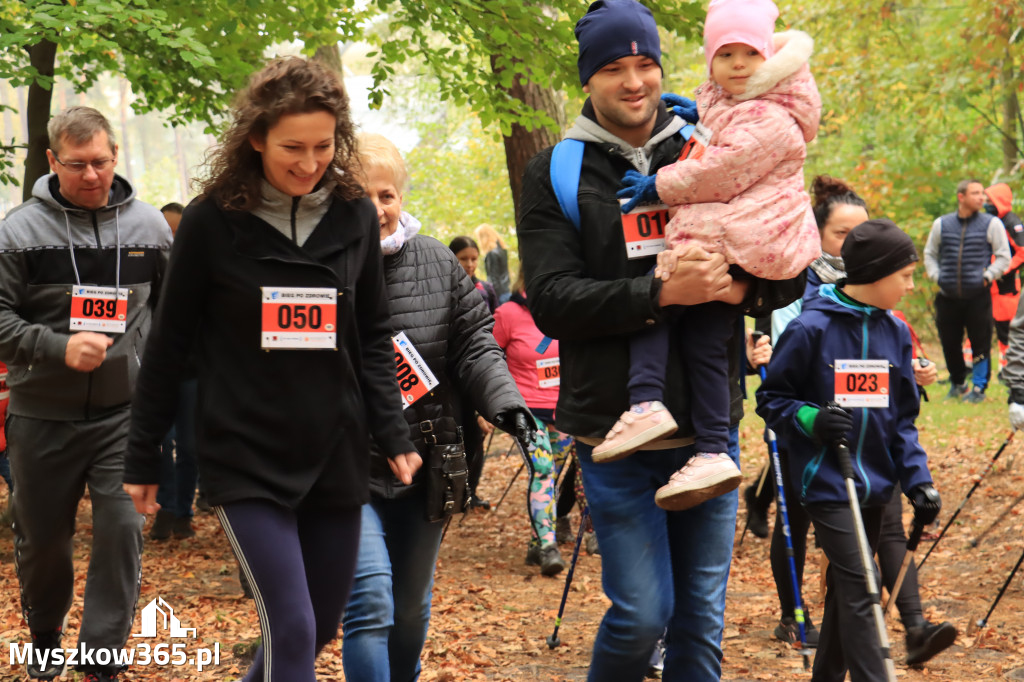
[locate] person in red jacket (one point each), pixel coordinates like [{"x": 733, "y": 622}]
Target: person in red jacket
[
  {"x": 5, "y": 397},
  {"x": 1006, "y": 289}
]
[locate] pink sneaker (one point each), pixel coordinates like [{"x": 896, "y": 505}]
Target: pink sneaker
[
  {"x": 639, "y": 425},
  {"x": 705, "y": 476}
]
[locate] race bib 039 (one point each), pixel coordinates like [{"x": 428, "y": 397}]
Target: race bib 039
[{"x": 99, "y": 309}]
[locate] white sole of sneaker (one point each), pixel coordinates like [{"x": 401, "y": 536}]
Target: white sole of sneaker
[
  {"x": 627, "y": 448},
  {"x": 679, "y": 498}
]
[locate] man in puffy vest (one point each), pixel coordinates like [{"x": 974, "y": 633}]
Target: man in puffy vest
[
  {"x": 966, "y": 251},
  {"x": 1006, "y": 289}
]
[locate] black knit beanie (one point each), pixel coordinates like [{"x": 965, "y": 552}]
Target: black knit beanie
[
  {"x": 612, "y": 29},
  {"x": 876, "y": 249}
]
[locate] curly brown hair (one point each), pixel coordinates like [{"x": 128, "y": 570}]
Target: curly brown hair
[{"x": 289, "y": 85}]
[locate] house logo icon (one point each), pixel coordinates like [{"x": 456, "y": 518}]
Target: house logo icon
[{"x": 159, "y": 611}]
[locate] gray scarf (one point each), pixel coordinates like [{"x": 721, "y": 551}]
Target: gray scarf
[{"x": 829, "y": 269}]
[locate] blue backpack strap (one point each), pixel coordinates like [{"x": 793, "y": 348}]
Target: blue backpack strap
[{"x": 566, "y": 162}]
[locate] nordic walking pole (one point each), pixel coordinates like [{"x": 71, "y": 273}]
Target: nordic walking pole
[
  {"x": 509, "y": 486},
  {"x": 969, "y": 493},
  {"x": 553, "y": 640},
  {"x": 798, "y": 609},
  {"x": 981, "y": 623},
  {"x": 760, "y": 486},
  {"x": 916, "y": 530},
  {"x": 975, "y": 541},
  {"x": 843, "y": 452}
]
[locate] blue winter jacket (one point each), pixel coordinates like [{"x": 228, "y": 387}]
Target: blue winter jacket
[{"x": 883, "y": 441}]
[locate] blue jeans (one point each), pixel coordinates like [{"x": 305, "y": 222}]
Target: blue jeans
[
  {"x": 178, "y": 472},
  {"x": 659, "y": 569},
  {"x": 385, "y": 624}
]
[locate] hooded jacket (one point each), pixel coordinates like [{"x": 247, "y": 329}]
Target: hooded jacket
[
  {"x": 883, "y": 443},
  {"x": 584, "y": 291},
  {"x": 434, "y": 302},
  {"x": 289, "y": 426},
  {"x": 47, "y": 247},
  {"x": 744, "y": 197},
  {"x": 1005, "y": 290}
]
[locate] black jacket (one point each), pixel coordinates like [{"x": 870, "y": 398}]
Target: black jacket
[
  {"x": 433, "y": 301},
  {"x": 284, "y": 425},
  {"x": 583, "y": 291}
]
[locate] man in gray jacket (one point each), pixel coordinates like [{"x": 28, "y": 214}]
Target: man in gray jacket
[
  {"x": 966, "y": 251},
  {"x": 80, "y": 268}
]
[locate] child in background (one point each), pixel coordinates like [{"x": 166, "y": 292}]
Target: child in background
[
  {"x": 737, "y": 190},
  {"x": 850, "y": 321}
]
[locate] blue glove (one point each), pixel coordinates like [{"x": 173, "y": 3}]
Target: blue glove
[
  {"x": 683, "y": 107},
  {"x": 639, "y": 189}
]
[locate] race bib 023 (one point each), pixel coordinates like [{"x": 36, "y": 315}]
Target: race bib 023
[{"x": 862, "y": 383}]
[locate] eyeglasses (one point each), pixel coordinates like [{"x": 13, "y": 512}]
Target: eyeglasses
[{"x": 98, "y": 165}]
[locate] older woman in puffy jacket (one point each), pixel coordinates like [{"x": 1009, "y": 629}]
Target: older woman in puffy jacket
[{"x": 435, "y": 308}]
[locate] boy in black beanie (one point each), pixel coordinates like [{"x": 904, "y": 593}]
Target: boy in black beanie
[{"x": 847, "y": 347}]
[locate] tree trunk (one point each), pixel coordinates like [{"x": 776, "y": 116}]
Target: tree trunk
[
  {"x": 126, "y": 150},
  {"x": 42, "y": 56},
  {"x": 1011, "y": 113},
  {"x": 329, "y": 56},
  {"x": 522, "y": 145}
]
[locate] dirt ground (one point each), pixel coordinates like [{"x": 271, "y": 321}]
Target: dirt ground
[{"x": 492, "y": 614}]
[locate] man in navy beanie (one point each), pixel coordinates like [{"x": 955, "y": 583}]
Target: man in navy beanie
[{"x": 589, "y": 290}]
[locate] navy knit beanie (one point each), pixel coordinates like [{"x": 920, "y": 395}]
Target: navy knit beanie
[
  {"x": 876, "y": 249},
  {"x": 612, "y": 29}
]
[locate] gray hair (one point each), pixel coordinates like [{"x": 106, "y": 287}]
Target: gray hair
[{"x": 79, "y": 125}]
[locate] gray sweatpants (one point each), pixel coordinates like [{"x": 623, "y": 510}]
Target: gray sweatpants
[{"x": 52, "y": 462}]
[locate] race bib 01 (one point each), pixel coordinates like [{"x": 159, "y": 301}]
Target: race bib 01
[
  {"x": 644, "y": 230},
  {"x": 99, "y": 309},
  {"x": 548, "y": 370},
  {"x": 862, "y": 383},
  {"x": 414, "y": 376},
  {"x": 299, "y": 318}
]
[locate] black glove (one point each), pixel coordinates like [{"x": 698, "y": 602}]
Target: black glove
[
  {"x": 831, "y": 425},
  {"x": 519, "y": 422},
  {"x": 925, "y": 500}
]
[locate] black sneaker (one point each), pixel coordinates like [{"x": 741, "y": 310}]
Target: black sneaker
[
  {"x": 757, "y": 518},
  {"x": 925, "y": 641},
  {"x": 42, "y": 665},
  {"x": 563, "y": 531},
  {"x": 788, "y": 631},
  {"x": 182, "y": 527},
  {"x": 976, "y": 396},
  {"x": 958, "y": 390},
  {"x": 163, "y": 525},
  {"x": 100, "y": 676},
  {"x": 547, "y": 557},
  {"x": 201, "y": 503},
  {"x": 476, "y": 503}
]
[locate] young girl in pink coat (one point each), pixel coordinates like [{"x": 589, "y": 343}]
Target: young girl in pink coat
[{"x": 738, "y": 190}]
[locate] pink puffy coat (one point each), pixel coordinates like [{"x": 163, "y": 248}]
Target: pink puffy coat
[{"x": 745, "y": 198}]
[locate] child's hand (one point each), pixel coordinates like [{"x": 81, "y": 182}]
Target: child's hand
[
  {"x": 668, "y": 260},
  {"x": 639, "y": 189},
  {"x": 698, "y": 277},
  {"x": 924, "y": 376},
  {"x": 760, "y": 352}
]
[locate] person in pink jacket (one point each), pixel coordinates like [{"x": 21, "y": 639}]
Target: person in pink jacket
[{"x": 738, "y": 190}]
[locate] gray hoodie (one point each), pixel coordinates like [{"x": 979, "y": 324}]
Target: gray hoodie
[{"x": 126, "y": 243}]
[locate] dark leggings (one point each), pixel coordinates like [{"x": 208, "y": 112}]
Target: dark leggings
[
  {"x": 704, "y": 333},
  {"x": 849, "y": 635},
  {"x": 300, "y": 564},
  {"x": 892, "y": 547}
]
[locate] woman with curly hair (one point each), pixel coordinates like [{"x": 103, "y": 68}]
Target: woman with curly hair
[{"x": 276, "y": 289}]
